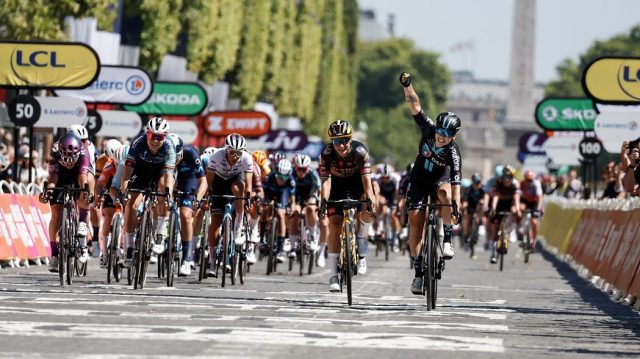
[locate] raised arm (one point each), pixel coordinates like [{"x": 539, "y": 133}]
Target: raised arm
[{"x": 410, "y": 94}]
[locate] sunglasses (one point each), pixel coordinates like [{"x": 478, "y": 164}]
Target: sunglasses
[
  {"x": 234, "y": 153},
  {"x": 282, "y": 177},
  {"x": 444, "y": 133},
  {"x": 341, "y": 140},
  {"x": 302, "y": 169},
  {"x": 155, "y": 137}
]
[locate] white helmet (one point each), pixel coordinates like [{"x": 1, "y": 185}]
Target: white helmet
[
  {"x": 209, "y": 151},
  {"x": 284, "y": 167},
  {"x": 235, "y": 142},
  {"x": 158, "y": 126},
  {"x": 111, "y": 147},
  {"x": 385, "y": 171},
  {"x": 121, "y": 153},
  {"x": 302, "y": 161},
  {"x": 80, "y": 131}
]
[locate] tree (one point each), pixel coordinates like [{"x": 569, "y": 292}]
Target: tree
[
  {"x": 277, "y": 39},
  {"x": 200, "y": 17},
  {"x": 224, "y": 48},
  {"x": 160, "y": 29},
  {"x": 569, "y": 81}
]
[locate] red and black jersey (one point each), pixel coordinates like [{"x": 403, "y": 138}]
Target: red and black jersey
[{"x": 356, "y": 161}]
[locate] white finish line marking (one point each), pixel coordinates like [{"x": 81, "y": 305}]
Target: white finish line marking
[{"x": 247, "y": 335}]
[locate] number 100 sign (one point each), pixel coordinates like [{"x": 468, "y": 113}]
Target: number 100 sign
[{"x": 590, "y": 148}]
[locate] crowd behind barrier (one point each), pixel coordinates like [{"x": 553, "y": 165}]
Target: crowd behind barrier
[{"x": 602, "y": 239}]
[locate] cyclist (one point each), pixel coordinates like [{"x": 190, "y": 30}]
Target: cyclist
[
  {"x": 254, "y": 210},
  {"x": 437, "y": 169},
  {"x": 307, "y": 190},
  {"x": 274, "y": 159},
  {"x": 345, "y": 171},
  {"x": 387, "y": 194},
  {"x": 531, "y": 199},
  {"x": 200, "y": 212},
  {"x": 281, "y": 187},
  {"x": 152, "y": 159},
  {"x": 473, "y": 201},
  {"x": 107, "y": 171},
  {"x": 403, "y": 188},
  {"x": 505, "y": 198},
  {"x": 192, "y": 183},
  {"x": 69, "y": 165},
  {"x": 82, "y": 133},
  {"x": 260, "y": 158},
  {"x": 229, "y": 172}
]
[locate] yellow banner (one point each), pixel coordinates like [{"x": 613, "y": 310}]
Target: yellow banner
[
  {"x": 611, "y": 79},
  {"x": 47, "y": 64}
]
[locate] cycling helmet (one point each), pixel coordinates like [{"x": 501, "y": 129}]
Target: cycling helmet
[
  {"x": 476, "y": 178},
  {"x": 177, "y": 141},
  {"x": 121, "y": 153},
  {"x": 80, "y": 131},
  {"x": 529, "y": 175},
  {"x": 498, "y": 170},
  {"x": 284, "y": 167},
  {"x": 340, "y": 128},
  {"x": 70, "y": 147},
  {"x": 209, "y": 151},
  {"x": 465, "y": 183},
  {"x": 385, "y": 171},
  {"x": 275, "y": 157},
  {"x": 260, "y": 157},
  {"x": 111, "y": 147},
  {"x": 507, "y": 171},
  {"x": 302, "y": 161},
  {"x": 448, "y": 124},
  {"x": 158, "y": 126},
  {"x": 235, "y": 142}
]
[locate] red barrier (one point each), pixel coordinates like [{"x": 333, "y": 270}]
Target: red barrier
[
  {"x": 581, "y": 234},
  {"x": 614, "y": 239},
  {"x": 23, "y": 233},
  {"x": 626, "y": 261}
]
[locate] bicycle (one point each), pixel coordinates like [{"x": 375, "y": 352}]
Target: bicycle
[
  {"x": 525, "y": 229},
  {"x": 272, "y": 262},
  {"x": 348, "y": 256},
  {"x": 473, "y": 233},
  {"x": 433, "y": 262},
  {"x": 226, "y": 254},
  {"x": 202, "y": 247},
  {"x": 114, "y": 265},
  {"x": 303, "y": 247},
  {"x": 503, "y": 236},
  {"x": 69, "y": 249}
]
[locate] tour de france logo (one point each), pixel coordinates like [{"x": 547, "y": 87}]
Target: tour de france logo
[{"x": 629, "y": 78}]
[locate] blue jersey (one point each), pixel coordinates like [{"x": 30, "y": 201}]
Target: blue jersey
[
  {"x": 308, "y": 185},
  {"x": 190, "y": 167},
  {"x": 272, "y": 188},
  {"x": 140, "y": 154}
]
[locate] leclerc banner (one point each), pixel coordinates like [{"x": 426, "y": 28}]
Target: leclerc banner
[
  {"x": 173, "y": 98},
  {"x": 117, "y": 124},
  {"x": 47, "y": 64},
  {"x": 116, "y": 85},
  {"x": 566, "y": 114},
  {"x": 613, "y": 80},
  {"x": 246, "y": 123},
  {"x": 614, "y": 127},
  {"x": 26, "y": 111}
]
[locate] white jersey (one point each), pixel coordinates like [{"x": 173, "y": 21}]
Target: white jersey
[{"x": 219, "y": 165}]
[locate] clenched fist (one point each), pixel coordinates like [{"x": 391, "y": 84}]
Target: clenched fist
[{"x": 405, "y": 79}]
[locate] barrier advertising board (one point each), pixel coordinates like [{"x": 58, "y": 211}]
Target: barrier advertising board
[{"x": 613, "y": 80}]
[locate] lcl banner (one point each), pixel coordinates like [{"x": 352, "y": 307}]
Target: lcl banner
[
  {"x": 47, "y": 64},
  {"x": 26, "y": 111},
  {"x": 565, "y": 114},
  {"x": 614, "y": 80},
  {"x": 245, "y": 123},
  {"x": 122, "y": 85},
  {"x": 173, "y": 98}
]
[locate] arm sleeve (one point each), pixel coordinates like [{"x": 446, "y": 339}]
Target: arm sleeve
[
  {"x": 423, "y": 120},
  {"x": 325, "y": 165},
  {"x": 169, "y": 158}
]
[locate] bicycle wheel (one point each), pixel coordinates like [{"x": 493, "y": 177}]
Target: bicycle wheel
[
  {"x": 226, "y": 239},
  {"x": 273, "y": 232},
  {"x": 115, "y": 246},
  {"x": 526, "y": 246},
  {"x": 311, "y": 254},
  {"x": 348, "y": 266},
  {"x": 473, "y": 238},
  {"x": 234, "y": 258},
  {"x": 148, "y": 239},
  {"x": 202, "y": 259},
  {"x": 71, "y": 247},
  {"x": 141, "y": 247},
  {"x": 62, "y": 247},
  {"x": 429, "y": 274},
  {"x": 501, "y": 244},
  {"x": 243, "y": 267},
  {"x": 435, "y": 261},
  {"x": 172, "y": 244}
]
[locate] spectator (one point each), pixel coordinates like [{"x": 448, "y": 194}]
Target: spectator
[
  {"x": 609, "y": 177},
  {"x": 574, "y": 188},
  {"x": 628, "y": 165}
]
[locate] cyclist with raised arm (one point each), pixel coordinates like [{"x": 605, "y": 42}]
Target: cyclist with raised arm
[
  {"x": 69, "y": 165},
  {"x": 346, "y": 171},
  {"x": 229, "y": 172},
  {"x": 531, "y": 199},
  {"x": 505, "y": 197},
  {"x": 437, "y": 170},
  {"x": 307, "y": 191},
  {"x": 192, "y": 183},
  {"x": 152, "y": 159}
]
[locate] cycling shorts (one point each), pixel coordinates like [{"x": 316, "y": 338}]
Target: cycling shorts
[
  {"x": 343, "y": 187},
  {"x": 222, "y": 186}
]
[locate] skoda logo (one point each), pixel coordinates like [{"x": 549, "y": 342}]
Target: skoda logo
[
  {"x": 549, "y": 113},
  {"x": 80, "y": 112},
  {"x": 135, "y": 85},
  {"x": 633, "y": 125}
]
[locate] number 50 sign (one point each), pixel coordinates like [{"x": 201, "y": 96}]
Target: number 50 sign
[{"x": 27, "y": 111}]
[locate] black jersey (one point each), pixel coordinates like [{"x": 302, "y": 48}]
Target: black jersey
[
  {"x": 435, "y": 160},
  {"x": 356, "y": 161}
]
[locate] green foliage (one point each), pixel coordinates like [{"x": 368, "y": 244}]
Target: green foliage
[
  {"x": 224, "y": 48},
  {"x": 286, "y": 85},
  {"x": 277, "y": 39},
  {"x": 253, "y": 52},
  {"x": 200, "y": 17},
  {"x": 308, "y": 53},
  {"x": 569, "y": 81},
  {"x": 160, "y": 29}
]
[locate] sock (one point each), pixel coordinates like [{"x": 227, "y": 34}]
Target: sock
[
  {"x": 363, "y": 247},
  {"x": 448, "y": 228},
  {"x": 417, "y": 265},
  {"x": 333, "y": 263},
  {"x": 54, "y": 249},
  {"x": 186, "y": 251},
  {"x": 96, "y": 234},
  {"x": 237, "y": 223},
  {"x": 279, "y": 244},
  {"x": 162, "y": 221},
  {"x": 128, "y": 240},
  {"x": 253, "y": 222},
  {"x": 82, "y": 217}
]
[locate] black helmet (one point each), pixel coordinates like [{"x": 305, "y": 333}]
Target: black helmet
[
  {"x": 340, "y": 128},
  {"x": 448, "y": 124},
  {"x": 507, "y": 171},
  {"x": 476, "y": 178}
]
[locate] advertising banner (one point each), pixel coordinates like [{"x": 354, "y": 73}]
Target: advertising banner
[
  {"x": 614, "y": 127},
  {"x": 187, "y": 130},
  {"x": 118, "y": 124},
  {"x": 245, "y": 123},
  {"x": 47, "y": 111},
  {"x": 532, "y": 143},
  {"x": 613, "y": 80},
  {"x": 563, "y": 150},
  {"x": 173, "y": 98},
  {"x": 115, "y": 85},
  {"x": 565, "y": 114},
  {"x": 285, "y": 140},
  {"x": 47, "y": 64}
]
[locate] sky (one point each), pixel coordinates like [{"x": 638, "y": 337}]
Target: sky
[{"x": 564, "y": 29}]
